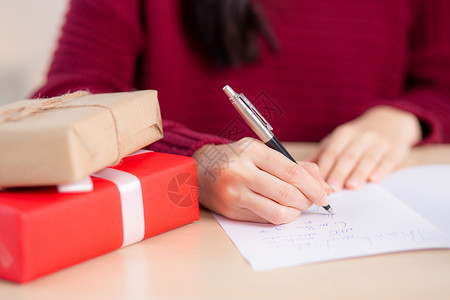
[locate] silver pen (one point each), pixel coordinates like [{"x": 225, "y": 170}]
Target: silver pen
[{"x": 259, "y": 125}]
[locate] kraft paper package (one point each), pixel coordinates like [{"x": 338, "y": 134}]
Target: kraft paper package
[{"x": 63, "y": 139}]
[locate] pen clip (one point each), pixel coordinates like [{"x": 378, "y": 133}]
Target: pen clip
[{"x": 255, "y": 111}]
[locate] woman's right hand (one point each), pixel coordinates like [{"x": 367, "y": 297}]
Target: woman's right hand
[{"x": 248, "y": 181}]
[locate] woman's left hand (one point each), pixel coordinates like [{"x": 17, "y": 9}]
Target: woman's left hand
[{"x": 367, "y": 148}]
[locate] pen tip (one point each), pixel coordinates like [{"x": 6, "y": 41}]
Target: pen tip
[{"x": 328, "y": 209}]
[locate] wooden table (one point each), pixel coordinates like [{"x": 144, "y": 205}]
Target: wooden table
[{"x": 198, "y": 261}]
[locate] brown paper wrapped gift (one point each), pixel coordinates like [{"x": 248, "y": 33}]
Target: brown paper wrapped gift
[{"x": 63, "y": 139}]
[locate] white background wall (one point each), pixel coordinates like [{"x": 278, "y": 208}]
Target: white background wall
[{"x": 29, "y": 30}]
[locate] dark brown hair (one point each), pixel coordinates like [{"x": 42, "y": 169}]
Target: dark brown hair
[{"x": 225, "y": 32}]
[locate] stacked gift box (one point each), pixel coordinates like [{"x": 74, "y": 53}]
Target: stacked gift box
[{"x": 75, "y": 184}]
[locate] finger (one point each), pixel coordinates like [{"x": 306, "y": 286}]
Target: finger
[
  {"x": 231, "y": 205},
  {"x": 347, "y": 161},
  {"x": 243, "y": 214},
  {"x": 332, "y": 149},
  {"x": 366, "y": 166},
  {"x": 388, "y": 162},
  {"x": 315, "y": 172},
  {"x": 278, "y": 165},
  {"x": 269, "y": 210},
  {"x": 277, "y": 190},
  {"x": 312, "y": 157}
]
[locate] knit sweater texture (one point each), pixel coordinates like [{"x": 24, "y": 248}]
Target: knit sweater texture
[{"x": 336, "y": 60}]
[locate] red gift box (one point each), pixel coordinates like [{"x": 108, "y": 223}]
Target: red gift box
[{"x": 43, "y": 230}]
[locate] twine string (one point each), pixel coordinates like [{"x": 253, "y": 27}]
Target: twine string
[{"x": 17, "y": 114}]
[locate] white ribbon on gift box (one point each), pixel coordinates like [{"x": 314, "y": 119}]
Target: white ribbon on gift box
[{"x": 131, "y": 200}]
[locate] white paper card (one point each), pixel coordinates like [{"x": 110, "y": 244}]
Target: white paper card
[
  {"x": 426, "y": 189},
  {"x": 366, "y": 222}
]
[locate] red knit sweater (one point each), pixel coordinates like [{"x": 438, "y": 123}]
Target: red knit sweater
[{"x": 337, "y": 58}]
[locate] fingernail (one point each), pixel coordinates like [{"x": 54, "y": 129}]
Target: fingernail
[
  {"x": 329, "y": 190},
  {"x": 353, "y": 183},
  {"x": 324, "y": 201},
  {"x": 375, "y": 177},
  {"x": 335, "y": 186},
  {"x": 326, "y": 187}
]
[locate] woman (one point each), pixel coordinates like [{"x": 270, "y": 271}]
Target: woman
[{"x": 368, "y": 80}]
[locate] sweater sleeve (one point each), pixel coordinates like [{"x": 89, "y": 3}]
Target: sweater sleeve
[
  {"x": 181, "y": 140},
  {"x": 98, "y": 51},
  {"x": 428, "y": 87}
]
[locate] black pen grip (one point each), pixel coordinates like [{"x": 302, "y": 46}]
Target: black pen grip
[{"x": 276, "y": 145}]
